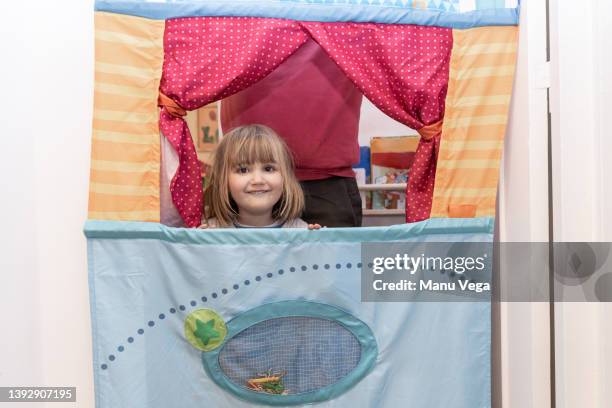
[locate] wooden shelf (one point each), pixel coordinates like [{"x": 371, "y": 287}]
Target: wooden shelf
[
  {"x": 383, "y": 212},
  {"x": 382, "y": 187}
]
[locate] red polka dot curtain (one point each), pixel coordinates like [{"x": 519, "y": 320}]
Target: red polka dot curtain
[
  {"x": 207, "y": 59},
  {"x": 402, "y": 69}
]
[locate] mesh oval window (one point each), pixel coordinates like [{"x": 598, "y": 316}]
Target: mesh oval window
[{"x": 302, "y": 353}]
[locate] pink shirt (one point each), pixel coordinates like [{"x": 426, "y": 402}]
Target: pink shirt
[{"x": 312, "y": 105}]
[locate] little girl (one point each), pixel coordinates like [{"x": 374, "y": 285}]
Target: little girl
[{"x": 252, "y": 184}]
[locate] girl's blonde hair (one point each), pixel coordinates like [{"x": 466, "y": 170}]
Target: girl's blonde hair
[{"x": 247, "y": 145}]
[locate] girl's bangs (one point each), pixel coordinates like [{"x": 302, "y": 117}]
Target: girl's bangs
[{"x": 254, "y": 149}]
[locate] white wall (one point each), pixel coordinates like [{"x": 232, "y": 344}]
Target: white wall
[
  {"x": 20, "y": 342},
  {"x": 373, "y": 123},
  {"x": 581, "y": 50},
  {"x": 603, "y": 64},
  {"x": 523, "y": 216},
  {"x": 46, "y": 110}
]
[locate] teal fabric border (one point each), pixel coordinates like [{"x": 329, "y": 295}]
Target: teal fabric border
[
  {"x": 323, "y": 12},
  {"x": 94, "y": 321},
  {"x": 290, "y": 308},
  {"x": 266, "y": 236}
]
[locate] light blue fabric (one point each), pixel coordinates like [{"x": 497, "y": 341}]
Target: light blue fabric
[
  {"x": 229, "y": 236},
  {"x": 442, "y": 13},
  {"x": 146, "y": 278}
]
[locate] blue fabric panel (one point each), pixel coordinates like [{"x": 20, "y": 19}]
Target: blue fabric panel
[
  {"x": 150, "y": 230},
  {"x": 381, "y": 12},
  {"x": 145, "y": 279}
]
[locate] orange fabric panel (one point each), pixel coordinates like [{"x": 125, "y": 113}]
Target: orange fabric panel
[
  {"x": 125, "y": 80},
  {"x": 124, "y": 152},
  {"x": 482, "y": 110},
  {"x": 481, "y": 132},
  {"x": 485, "y": 205},
  {"x": 126, "y": 103},
  {"x": 462, "y": 211},
  {"x": 123, "y": 206},
  {"x": 481, "y": 60},
  {"x": 464, "y": 155},
  {"x": 119, "y": 53},
  {"x": 126, "y": 127},
  {"x": 466, "y": 178},
  {"x": 487, "y": 35},
  {"x": 133, "y": 26},
  {"x": 101, "y": 202},
  {"x": 480, "y": 86},
  {"x": 124, "y": 178}
]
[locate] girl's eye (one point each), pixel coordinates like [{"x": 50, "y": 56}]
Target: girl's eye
[
  {"x": 269, "y": 168},
  {"x": 242, "y": 169}
]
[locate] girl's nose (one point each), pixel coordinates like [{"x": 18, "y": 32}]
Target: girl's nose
[{"x": 257, "y": 176}]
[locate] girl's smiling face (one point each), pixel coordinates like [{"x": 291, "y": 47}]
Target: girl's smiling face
[
  {"x": 256, "y": 188},
  {"x": 252, "y": 180}
]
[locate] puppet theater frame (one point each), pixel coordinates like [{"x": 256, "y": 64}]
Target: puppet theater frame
[{"x": 148, "y": 284}]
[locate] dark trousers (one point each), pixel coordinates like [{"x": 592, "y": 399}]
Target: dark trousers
[{"x": 332, "y": 202}]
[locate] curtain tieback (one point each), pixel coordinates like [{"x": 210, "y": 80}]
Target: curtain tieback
[
  {"x": 172, "y": 107},
  {"x": 428, "y": 132}
]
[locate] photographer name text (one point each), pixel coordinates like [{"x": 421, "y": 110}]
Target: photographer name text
[{"x": 406, "y": 264}]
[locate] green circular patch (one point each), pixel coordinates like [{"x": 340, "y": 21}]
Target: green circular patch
[{"x": 205, "y": 329}]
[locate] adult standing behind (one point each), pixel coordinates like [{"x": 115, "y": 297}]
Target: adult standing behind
[{"x": 315, "y": 107}]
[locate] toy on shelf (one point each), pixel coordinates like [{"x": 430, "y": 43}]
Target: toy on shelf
[{"x": 391, "y": 159}]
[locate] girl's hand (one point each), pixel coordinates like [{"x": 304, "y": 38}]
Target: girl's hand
[
  {"x": 203, "y": 226},
  {"x": 314, "y": 226}
]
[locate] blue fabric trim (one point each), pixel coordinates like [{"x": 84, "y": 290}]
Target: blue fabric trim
[
  {"x": 263, "y": 236},
  {"x": 322, "y": 12},
  {"x": 293, "y": 308},
  {"x": 91, "y": 273}
]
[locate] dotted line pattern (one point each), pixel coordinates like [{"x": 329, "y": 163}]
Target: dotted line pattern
[{"x": 214, "y": 295}]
